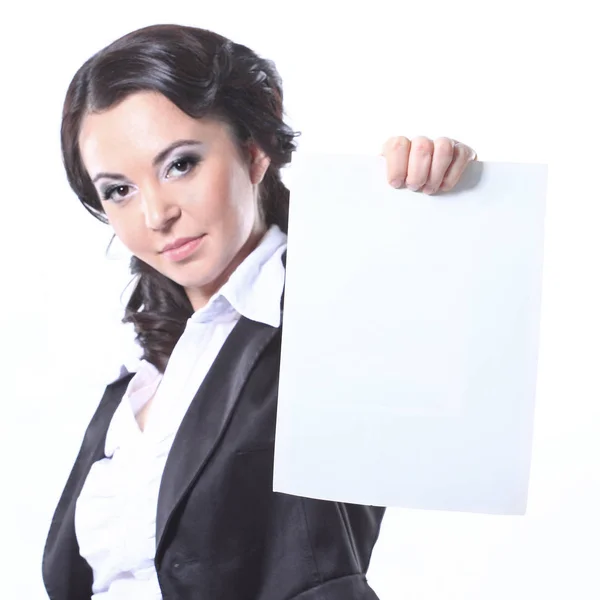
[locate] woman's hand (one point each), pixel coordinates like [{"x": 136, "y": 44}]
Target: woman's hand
[{"x": 426, "y": 165}]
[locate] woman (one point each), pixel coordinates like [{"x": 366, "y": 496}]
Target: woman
[{"x": 174, "y": 135}]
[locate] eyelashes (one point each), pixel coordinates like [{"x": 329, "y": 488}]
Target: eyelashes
[{"x": 182, "y": 166}]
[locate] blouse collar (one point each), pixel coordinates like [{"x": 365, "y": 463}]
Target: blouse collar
[{"x": 254, "y": 289}]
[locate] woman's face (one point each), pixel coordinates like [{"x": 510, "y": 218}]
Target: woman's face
[{"x": 167, "y": 180}]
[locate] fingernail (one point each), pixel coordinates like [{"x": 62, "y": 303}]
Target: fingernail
[
  {"x": 412, "y": 187},
  {"x": 397, "y": 183}
]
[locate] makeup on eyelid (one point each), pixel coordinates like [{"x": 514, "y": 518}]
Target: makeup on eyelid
[{"x": 191, "y": 159}]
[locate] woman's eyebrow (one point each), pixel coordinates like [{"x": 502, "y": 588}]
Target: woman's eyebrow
[{"x": 155, "y": 161}]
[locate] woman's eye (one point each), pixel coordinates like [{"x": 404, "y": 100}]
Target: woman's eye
[
  {"x": 182, "y": 165},
  {"x": 116, "y": 193}
]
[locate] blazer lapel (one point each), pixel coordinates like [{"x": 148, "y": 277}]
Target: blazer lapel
[
  {"x": 66, "y": 574},
  {"x": 208, "y": 416}
]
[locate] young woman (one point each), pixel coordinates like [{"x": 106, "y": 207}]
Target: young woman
[{"x": 174, "y": 136}]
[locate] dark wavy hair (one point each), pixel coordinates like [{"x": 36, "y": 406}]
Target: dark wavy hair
[{"x": 205, "y": 75}]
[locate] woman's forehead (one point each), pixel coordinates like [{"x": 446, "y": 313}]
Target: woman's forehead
[{"x": 142, "y": 124}]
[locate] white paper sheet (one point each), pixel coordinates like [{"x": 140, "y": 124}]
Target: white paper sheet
[{"x": 410, "y": 337}]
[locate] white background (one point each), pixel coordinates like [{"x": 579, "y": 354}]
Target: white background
[{"x": 517, "y": 80}]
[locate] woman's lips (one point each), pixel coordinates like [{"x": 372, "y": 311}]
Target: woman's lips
[{"x": 182, "y": 248}]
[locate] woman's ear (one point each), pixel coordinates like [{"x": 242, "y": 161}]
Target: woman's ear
[{"x": 259, "y": 163}]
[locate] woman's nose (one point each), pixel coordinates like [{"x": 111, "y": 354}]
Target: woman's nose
[{"x": 159, "y": 210}]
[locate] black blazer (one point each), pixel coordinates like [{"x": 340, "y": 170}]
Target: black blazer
[{"x": 221, "y": 532}]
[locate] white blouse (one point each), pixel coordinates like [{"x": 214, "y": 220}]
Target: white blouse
[{"x": 115, "y": 516}]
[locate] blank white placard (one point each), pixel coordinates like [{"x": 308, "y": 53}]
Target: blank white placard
[{"x": 410, "y": 337}]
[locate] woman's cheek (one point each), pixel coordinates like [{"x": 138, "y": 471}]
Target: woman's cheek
[{"x": 131, "y": 236}]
